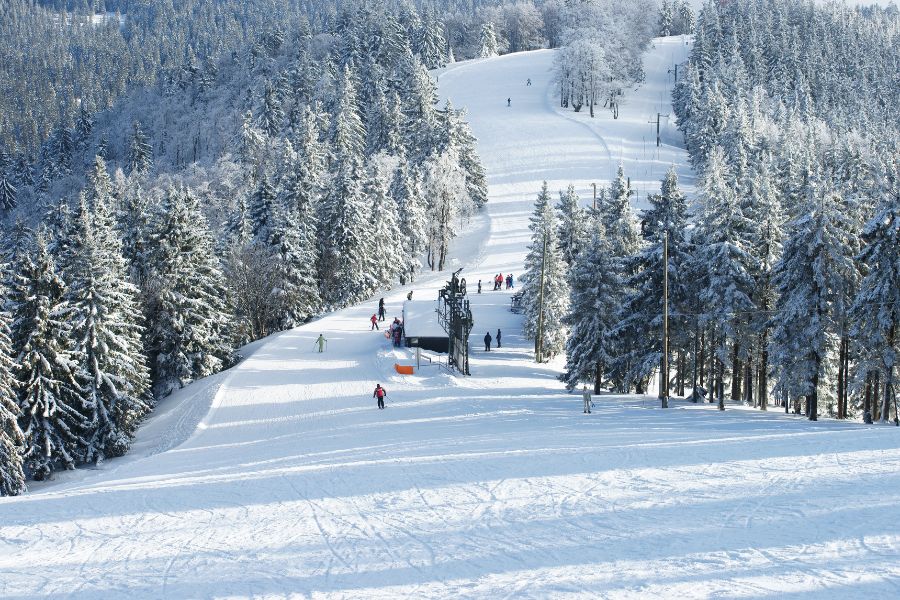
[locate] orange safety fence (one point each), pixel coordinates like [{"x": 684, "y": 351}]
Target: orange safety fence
[{"x": 404, "y": 369}]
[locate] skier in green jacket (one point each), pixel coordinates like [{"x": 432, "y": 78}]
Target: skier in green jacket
[{"x": 321, "y": 342}]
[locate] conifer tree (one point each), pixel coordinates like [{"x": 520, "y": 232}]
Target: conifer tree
[
  {"x": 488, "y": 45},
  {"x": 642, "y": 306},
  {"x": 545, "y": 288},
  {"x": 272, "y": 113},
  {"x": 406, "y": 190},
  {"x": 8, "y": 199},
  {"x": 188, "y": 322},
  {"x": 721, "y": 253},
  {"x": 140, "y": 152},
  {"x": 573, "y": 229},
  {"x": 348, "y": 133},
  {"x": 877, "y": 305},
  {"x": 385, "y": 241},
  {"x": 262, "y": 205},
  {"x": 105, "y": 325},
  {"x": 12, "y": 440},
  {"x": 593, "y": 308},
  {"x": 135, "y": 231},
  {"x": 49, "y": 396}
]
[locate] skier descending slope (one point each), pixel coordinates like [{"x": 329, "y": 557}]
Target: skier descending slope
[{"x": 321, "y": 341}]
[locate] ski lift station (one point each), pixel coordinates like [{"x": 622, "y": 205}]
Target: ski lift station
[{"x": 422, "y": 327}]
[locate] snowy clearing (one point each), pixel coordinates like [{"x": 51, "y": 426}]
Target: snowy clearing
[{"x": 280, "y": 478}]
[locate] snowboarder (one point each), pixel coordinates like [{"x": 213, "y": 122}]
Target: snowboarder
[
  {"x": 586, "y": 396},
  {"x": 479, "y": 286},
  {"x": 321, "y": 341},
  {"x": 498, "y": 338},
  {"x": 379, "y": 394},
  {"x": 374, "y": 319},
  {"x": 487, "y": 342},
  {"x": 508, "y": 102},
  {"x": 381, "y": 310},
  {"x": 528, "y": 82}
]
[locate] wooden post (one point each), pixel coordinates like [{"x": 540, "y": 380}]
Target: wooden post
[
  {"x": 664, "y": 366},
  {"x": 539, "y": 337}
]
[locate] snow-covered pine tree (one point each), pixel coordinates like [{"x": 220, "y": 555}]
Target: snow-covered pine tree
[
  {"x": 621, "y": 226},
  {"x": 272, "y": 114},
  {"x": 545, "y": 287},
  {"x": 593, "y": 309},
  {"x": 810, "y": 279},
  {"x": 406, "y": 190},
  {"x": 49, "y": 397},
  {"x": 8, "y": 199},
  {"x": 386, "y": 246},
  {"x": 641, "y": 310},
  {"x": 262, "y": 205},
  {"x": 12, "y": 440},
  {"x": 876, "y": 310},
  {"x": 722, "y": 255},
  {"x": 294, "y": 245},
  {"x": 431, "y": 44},
  {"x": 188, "y": 333},
  {"x": 348, "y": 135},
  {"x": 347, "y": 259},
  {"x": 135, "y": 231},
  {"x": 239, "y": 228},
  {"x": 105, "y": 325},
  {"x": 420, "y": 125},
  {"x": 140, "y": 152},
  {"x": 574, "y": 234},
  {"x": 488, "y": 44}
]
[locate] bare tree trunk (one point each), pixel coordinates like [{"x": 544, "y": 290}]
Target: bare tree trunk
[
  {"x": 813, "y": 398},
  {"x": 598, "y": 377},
  {"x": 888, "y": 382},
  {"x": 867, "y": 403},
  {"x": 701, "y": 361},
  {"x": 735, "y": 373},
  {"x": 763, "y": 385}
]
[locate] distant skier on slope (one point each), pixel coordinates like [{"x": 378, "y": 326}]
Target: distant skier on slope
[
  {"x": 379, "y": 393},
  {"x": 381, "y": 310},
  {"x": 498, "y": 338},
  {"x": 374, "y": 319},
  {"x": 487, "y": 342},
  {"x": 528, "y": 82},
  {"x": 508, "y": 102},
  {"x": 321, "y": 341},
  {"x": 586, "y": 396}
]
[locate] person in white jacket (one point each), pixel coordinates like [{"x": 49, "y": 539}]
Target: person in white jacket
[{"x": 586, "y": 395}]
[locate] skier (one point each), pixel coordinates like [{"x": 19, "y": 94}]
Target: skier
[
  {"x": 512, "y": 282},
  {"x": 528, "y": 82},
  {"x": 586, "y": 396},
  {"x": 321, "y": 342},
  {"x": 508, "y": 281},
  {"x": 379, "y": 394},
  {"x": 479, "y": 286},
  {"x": 487, "y": 342},
  {"x": 508, "y": 102},
  {"x": 381, "y": 310},
  {"x": 409, "y": 295},
  {"x": 498, "y": 337},
  {"x": 374, "y": 319}
]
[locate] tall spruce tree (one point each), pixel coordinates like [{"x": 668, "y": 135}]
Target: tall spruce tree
[
  {"x": 188, "y": 333},
  {"x": 406, "y": 190},
  {"x": 105, "y": 324},
  {"x": 593, "y": 309},
  {"x": 140, "y": 152},
  {"x": 49, "y": 396},
  {"x": 545, "y": 288},
  {"x": 12, "y": 440}
]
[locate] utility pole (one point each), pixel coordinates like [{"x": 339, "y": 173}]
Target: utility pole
[
  {"x": 595, "y": 196},
  {"x": 664, "y": 366},
  {"x": 539, "y": 337},
  {"x": 658, "y": 117}
]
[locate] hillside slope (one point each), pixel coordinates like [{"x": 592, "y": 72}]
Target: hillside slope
[{"x": 287, "y": 480}]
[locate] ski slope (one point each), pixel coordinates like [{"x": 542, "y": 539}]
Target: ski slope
[{"x": 279, "y": 478}]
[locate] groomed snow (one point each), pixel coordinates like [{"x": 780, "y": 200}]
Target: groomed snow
[{"x": 280, "y": 478}]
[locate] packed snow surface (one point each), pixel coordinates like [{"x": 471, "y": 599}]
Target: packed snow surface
[{"x": 281, "y": 478}]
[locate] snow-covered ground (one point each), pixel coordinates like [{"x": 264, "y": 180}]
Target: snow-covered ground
[{"x": 280, "y": 478}]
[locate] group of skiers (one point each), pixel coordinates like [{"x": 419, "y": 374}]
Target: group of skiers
[
  {"x": 488, "y": 339},
  {"x": 499, "y": 280}
]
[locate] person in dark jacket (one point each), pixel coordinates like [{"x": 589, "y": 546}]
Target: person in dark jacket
[
  {"x": 487, "y": 341},
  {"x": 379, "y": 393},
  {"x": 498, "y": 338},
  {"x": 381, "y": 310}
]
